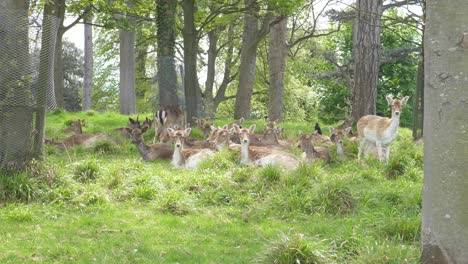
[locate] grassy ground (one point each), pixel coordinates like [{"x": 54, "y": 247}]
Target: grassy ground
[{"x": 106, "y": 205}]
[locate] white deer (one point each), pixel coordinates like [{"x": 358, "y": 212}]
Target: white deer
[
  {"x": 380, "y": 131},
  {"x": 186, "y": 158}
]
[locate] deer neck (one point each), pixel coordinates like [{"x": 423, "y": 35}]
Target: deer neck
[
  {"x": 394, "y": 124},
  {"x": 142, "y": 148},
  {"x": 339, "y": 148},
  {"x": 245, "y": 154},
  {"x": 177, "y": 159},
  {"x": 309, "y": 151}
]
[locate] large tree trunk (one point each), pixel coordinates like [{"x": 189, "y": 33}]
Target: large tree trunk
[
  {"x": 167, "y": 77},
  {"x": 16, "y": 101},
  {"x": 210, "y": 73},
  {"x": 142, "y": 44},
  {"x": 59, "y": 84},
  {"x": 127, "y": 69},
  {"x": 277, "y": 62},
  {"x": 366, "y": 49},
  {"x": 248, "y": 61},
  {"x": 192, "y": 91},
  {"x": 445, "y": 192},
  {"x": 88, "y": 64}
]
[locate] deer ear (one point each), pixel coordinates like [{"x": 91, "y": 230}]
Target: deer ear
[
  {"x": 241, "y": 120},
  {"x": 213, "y": 128},
  {"x": 236, "y": 127},
  {"x": 332, "y": 130},
  {"x": 404, "y": 100},
  {"x": 171, "y": 131},
  {"x": 131, "y": 120},
  {"x": 225, "y": 127},
  {"x": 389, "y": 100},
  {"x": 144, "y": 128},
  {"x": 187, "y": 131},
  {"x": 347, "y": 130},
  {"x": 252, "y": 128}
]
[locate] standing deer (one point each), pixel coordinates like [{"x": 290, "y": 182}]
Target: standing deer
[
  {"x": 167, "y": 116},
  {"x": 309, "y": 151},
  {"x": 151, "y": 152},
  {"x": 186, "y": 158},
  {"x": 380, "y": 131},
  {"x": 337, "y": 136},
  {"x": 262, "y": 156}
]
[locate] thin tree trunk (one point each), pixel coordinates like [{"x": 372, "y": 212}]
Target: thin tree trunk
[
  {"x": 228, "y": 64},
  {"x": 210, "y": 75},
  {"x": 192, "y": 91},
  {"x": 445, "y": 191},
  {"x": 142, "y": 82},
  {"x": 166, "y": 75},
  {"x": 366, "y": 49},
  {"x": 418, "y": 103},
  {"x": 88, "y": 64},
  {"x": 127, "y": 69},
  {"x": 277, "y": 64},
  {"x": 59, "y": 84}
]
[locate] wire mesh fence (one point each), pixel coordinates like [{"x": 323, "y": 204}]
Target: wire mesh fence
[{"x": 26, "y": 84}]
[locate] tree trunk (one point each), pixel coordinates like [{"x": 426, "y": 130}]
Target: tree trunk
[
  {"x": 210, "y": 75},
  {"x": 127, "y": 69},
  {"x": 248, "y": 61},
  {"x": 16, "y": 99},
  {"x": 366, "y": 48},
  {"x": 418, "y": 103},
  {"x": 88, "y": 64},
  {"x": 277, "y": 63},
  {"x": 166, "y": 75},
  {"x": 445, "y": 191},
  {"x": 142, "y": 44},
  {"x": 59, "y": 84},
  {"x": 192, "y": 90}
]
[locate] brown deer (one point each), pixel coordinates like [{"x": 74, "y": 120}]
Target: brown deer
[
  {"x": 76, "y": 127},
  {"x": 132, "y": 123},
  {"x": 204, "y": 125},
  {"x": 337, "y": 136},
  {"x": 380, "y": 131},
  {"x": 221, "y": 137},
  {"x": 150, "y": 152},
  {"x": 168, "y": 116},
  {"x": 309, "y": 151},
  {"x": 186, "y": 158},
  {"x": 263, "y": 156},
  {"x": 271, "y": 137}
]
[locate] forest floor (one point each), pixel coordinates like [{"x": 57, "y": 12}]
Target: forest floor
[{"x": 106, "y": 205}]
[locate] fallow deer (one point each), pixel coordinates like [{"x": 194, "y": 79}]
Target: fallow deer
[
  {"x": 150, "y": 152},
  {"x": 309, "y": 151},
  {"x": 76, "y": 127},
  {"x": 337, "y": 136},
  {"x": 380, "y": 131},
  {"x": 204, "y": 125},
  {"x": 186, "y": 158},
  {"x": 271, "y": 137},
  {"x": 167, "y": 116},
  {"x": 263, "y": 156},
  {"x": 132, "y": 123},
  {"x": 222, "y": 138}
]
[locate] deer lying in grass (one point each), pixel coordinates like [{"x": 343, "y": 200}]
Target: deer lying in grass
[
  {"x": 337, "y": 136},
  {"x": 221, "y": 137},
  {"x": 132, "y": 123},
  {"x": 150, "y": 152},
  {"x": 204, "y": 125},
  {"x": 186, "y": 158},
  {"x": 263, "y": 156},
  {"x": 76, "y": 127},
  {"x": 309, "y": 151},
  {"x": 271, "y": 137},
  {"x": 380, "y": 131},
  {"x": 166, "y": 117}
]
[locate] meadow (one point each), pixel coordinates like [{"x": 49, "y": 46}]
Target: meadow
[{"x": 106, "y": 205}]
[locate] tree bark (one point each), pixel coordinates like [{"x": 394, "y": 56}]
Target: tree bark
[
  {"x": 192, "y": 90},
  {"x": 59, "y": 84},
  {"x": 366, "y": 49},
  {"x": 210, "y": 75},
  {"x": 277, "y": 64},
  {"x": 418, "y": 109},
  {"x": 445, "y": 191},
  {"x": 127, "y": 69},
  {"x": 166, "y": 75},
  {"x": 88, "y": 64},
  {"x": 142, "y": 44}
]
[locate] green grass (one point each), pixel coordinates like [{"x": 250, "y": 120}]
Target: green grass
[{"x": 106, "y": 205}]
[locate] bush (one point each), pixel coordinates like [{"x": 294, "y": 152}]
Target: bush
[
  {"x": 87, "y": 171},
  {"x": 332, "y": 198}
]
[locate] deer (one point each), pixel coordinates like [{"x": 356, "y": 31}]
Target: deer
[
  {"x": 76, "y": 127},
  {"x": 168, "y": 116},
  {"x": 150, "y": 152},
  {"x": 337, "y": 136},
  {"x": 380, "y": 131},
  {"x": 263, "y": 156},
  {"x": 310, "y": 152},
  {"x": 186, "y": 158},
  {"x": 204, "y": 125},
  {"x": 132, "y": 123},
  {"x": 271, "y": 137},
  {"x": 221, "y": 138}
]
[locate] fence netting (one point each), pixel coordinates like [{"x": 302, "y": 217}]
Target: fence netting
[{"x": 27, "y": 45}]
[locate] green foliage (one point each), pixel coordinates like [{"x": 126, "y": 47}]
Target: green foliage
[
  {"x": 86, "y": 171},
  {"x": 18, "y": 187},
  {"x": 73, "y": 76},
  {"x": 104, "y": 147}
]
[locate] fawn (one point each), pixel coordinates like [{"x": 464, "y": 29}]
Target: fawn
[
  {"x": 151, "y": 152},
  {"x": 262, "y": 156},
  {"x": 309, "y": 151},
  {"x": 167, "y": 116},
  {"x": 380, "y": 131},
  {"x": 337, "y": 136},
  {"x": 186, "y": 158}
]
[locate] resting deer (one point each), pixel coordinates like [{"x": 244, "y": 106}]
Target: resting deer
[
  {"x": 167, "y": 116},
  {"x": 337, "y": 136},
  {"x": 221, "y": 137},
  {"x": 126, "y": 131},
  {"x": 262, "y": 156},
  {"x": 204, "y": 125},
  {"x": 151, "y": 152},
  {"x": 186, "y": 158},
  {"x": 76, "y": 127},
  {"x": 380, "y": 131},
  {"x": 309, "y": 151},
  {"x": 271, "y": 137}
]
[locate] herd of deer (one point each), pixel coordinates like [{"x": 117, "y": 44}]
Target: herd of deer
[{"x": 173, "y": 142}]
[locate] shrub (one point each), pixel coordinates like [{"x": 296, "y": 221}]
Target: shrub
[
  {"x": 104, "y": 147},
  {"x": 333, "y": 198},
  {"x": 87, "y": 171}
]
